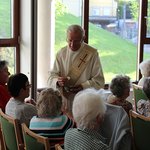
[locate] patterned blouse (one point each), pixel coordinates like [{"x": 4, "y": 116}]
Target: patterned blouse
[
  {"x": 84, "y": 139},
  {"x": 143, "y": 107},
  {"x": 116, "y": 101}
]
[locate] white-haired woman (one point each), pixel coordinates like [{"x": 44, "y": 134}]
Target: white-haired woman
[
  {"x": 145, "y": 70},
  {"x": 143, "y": 106},
  {"x": 88, "y": 111}
]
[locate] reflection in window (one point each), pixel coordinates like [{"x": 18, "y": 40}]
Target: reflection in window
[
  {"x": 8, "y": 54},
  {"x": 107, "y": 11},
  {"x": 95, "y": 11},
  {"x": 6, "y": 18}
]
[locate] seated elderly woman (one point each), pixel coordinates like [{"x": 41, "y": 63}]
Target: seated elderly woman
[
  {"x": 50, "y": 122},
  {"x": 4, "y": 76},
  {"x": 88, "y": 111},
  {"x": 120, "y": 88},
  {"x": 145, "y": 70},
  {"x": 143, "y": 106},
  {"x": 19, "y": 88}
]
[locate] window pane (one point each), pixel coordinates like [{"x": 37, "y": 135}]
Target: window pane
[
  {"x": 146, "y": 51},
  {"x": 148, "y": 20},
  {"x": 6, "y": 18},
  {"x": 113, "y": 31},
  {"x": 67, "y": 13},
  {"x": 8, "y": 54}
]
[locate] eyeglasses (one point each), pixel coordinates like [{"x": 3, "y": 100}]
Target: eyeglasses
[{"x": 29, "y": 85}]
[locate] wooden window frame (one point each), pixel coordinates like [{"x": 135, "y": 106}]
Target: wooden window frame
[
  {"x": 15, "y": 40},
  {"x": 143, "y": 39}
]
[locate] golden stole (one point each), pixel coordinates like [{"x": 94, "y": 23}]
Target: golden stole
[{"x": 79, "y": 65}]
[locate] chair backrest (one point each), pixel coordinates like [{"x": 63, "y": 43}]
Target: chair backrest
[
  {"x": 116, "y": 128},
  {"x": 11, "y": 131},
  {"x": 138, "y": 94},
  {"x": 58, "y": 147},
  {"x": 140, "y": 126},
  {"x": 34, "y": 141}
]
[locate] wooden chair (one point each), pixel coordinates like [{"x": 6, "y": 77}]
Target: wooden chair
[
  {"x": 117, "y": 121},
  {"x": 11, "y": 131},
  {"x": 34, "y": 141},
  {"x": 138, "y": 94},
  {"x": 140, "y": 126},
  {"x": 58, "y": 147}
]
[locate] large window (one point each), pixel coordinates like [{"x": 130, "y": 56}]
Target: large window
[
  {"x": 115, "y": 37},
  {"x": 112, "y": 27},
  {"x": 9, "y": 33},
  {"x": 66, "y": 14}
]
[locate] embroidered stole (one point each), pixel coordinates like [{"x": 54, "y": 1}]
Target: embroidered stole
[{"x": 79, "y": 65}]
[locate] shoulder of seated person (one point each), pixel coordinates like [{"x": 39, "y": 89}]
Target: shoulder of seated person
[{"x": 111, "y": 98}]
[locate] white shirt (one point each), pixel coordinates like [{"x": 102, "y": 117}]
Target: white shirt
[
  {"x": 20, "y": 110},
  {"x": 92, "y": 76}
]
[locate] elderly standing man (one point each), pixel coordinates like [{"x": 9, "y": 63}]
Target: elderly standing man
[
  {"x": 88, "y": 112},
  {"x": 77, "y": 66}
]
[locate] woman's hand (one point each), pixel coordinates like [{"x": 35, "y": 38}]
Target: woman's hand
[{"x": 30, "y": 101}]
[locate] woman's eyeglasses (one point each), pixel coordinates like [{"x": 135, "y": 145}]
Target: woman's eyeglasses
[{"x": 29, "y": 85}]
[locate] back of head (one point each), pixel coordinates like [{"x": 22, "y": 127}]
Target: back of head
[
  {"x": 49, "y": 103},
  {"x": 87, "y": 105},
  {"x": 145, "y": 68},
  {"x": 16, "y": 82},
  {"x": 146, "y": 87},
  {"x": 77, "y": 29},
  {"x": 119, "y": 84}
]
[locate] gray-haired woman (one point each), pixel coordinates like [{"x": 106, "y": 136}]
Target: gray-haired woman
[{"x": 50, "y": 122}]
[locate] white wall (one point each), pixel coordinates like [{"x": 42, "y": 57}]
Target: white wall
[
  {"x": 45, "y": 41},
  {"x": 25, "y": 46},
  {"x": 46, "y": 31}
]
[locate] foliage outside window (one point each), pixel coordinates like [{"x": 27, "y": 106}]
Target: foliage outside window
[{"x": 117, "y": 48}]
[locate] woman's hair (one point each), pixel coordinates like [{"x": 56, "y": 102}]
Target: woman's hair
[
  {"x": 49, "y": 103},
  {"x": 87, "y": 105},
  {"x": 3, "y": 63},
  {"x": 77, "y": 29},
  {"x": 16, "y": 82},
  {"x": 146, "y": 87},
  {"x": 119, "y": 84},
  {"x": 145, "y": 68}
]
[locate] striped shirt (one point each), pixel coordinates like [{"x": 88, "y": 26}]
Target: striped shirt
[
  {"x": 84, "y": 139},
  {"x": 53, "y": 128}
]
